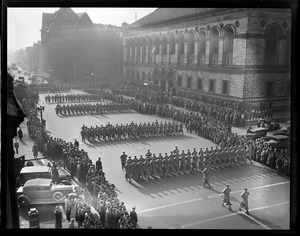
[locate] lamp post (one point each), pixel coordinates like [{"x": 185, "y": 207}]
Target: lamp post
[{"x": 41, "y": 109}]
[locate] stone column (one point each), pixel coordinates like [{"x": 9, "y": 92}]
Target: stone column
[
  {"x": 135, "y": 54},
  {"x": 125, "y": 54},
  {"x": 130, "y": 53},
  {"x": 220, "y": 52},
  {"x": 196, "y": 53},
  {"x": 141, "y": 53},
  {"x": 176, "y": 62},
  {"x": 207, "y": 51},
  {"x": 168, "y": 54},
  {"x": 185, "y": 53}
]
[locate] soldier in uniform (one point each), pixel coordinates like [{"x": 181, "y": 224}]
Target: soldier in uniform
[
  {"x": 171, "y": 163},
  {"x": 213, "y": 158},
  {"x": 153, "y": 166},
  {"x": 141, "y": 167},
  {"x": 206, "y": 176},
  {"x": 147, "y": 167},
  {"x": 243, "y": 154},
  {"x": 182, "y": 163},
  {"x": 195, "y": 160},
  {"x": 159, "y": 165},
  {"x": 176, "y": 163},
  {"x": 128, "y": 170},
  {"x": 165, "y": 163},
  {"x": 148, "y": 154},
  {"x": 188, "y": 159},
  {"x": 201, "y": 159}
]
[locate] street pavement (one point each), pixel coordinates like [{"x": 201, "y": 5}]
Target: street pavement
[{"x": 178, "y": 201}]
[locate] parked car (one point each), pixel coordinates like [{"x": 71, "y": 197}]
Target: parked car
[
  {"x": 278, "y": 141},
  {"x": 282, "y": 131},
  {"x": 255, "y": 133},
  {"x": 33, "y": 172},
  {"x": 42, "y": 191}
]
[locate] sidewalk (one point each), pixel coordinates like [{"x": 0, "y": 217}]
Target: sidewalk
[{"x": 25, "y": 149}]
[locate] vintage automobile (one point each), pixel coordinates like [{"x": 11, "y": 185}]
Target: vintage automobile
[
  {"x": 255, "y": 133},
  {"x": 42, "y": 191},
  {"x": 278, "y": 141},
  {"x": 282, "y": 131},
  {"x": 32, "y": 172}
]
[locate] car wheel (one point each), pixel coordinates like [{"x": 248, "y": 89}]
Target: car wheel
[
  {"x": 23, "y": 201},
  {"x": 57, "y": 196}
]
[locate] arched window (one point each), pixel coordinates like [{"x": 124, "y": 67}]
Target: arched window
[
  {"x": 181, "y": 49},
  {"x": 271, "y": 46},
  {"x": 214, "y": 47},
  {"x": 202, "y": 48},
  {"x": 228, "y": 47},
  {"x": 164, "y": 46}
]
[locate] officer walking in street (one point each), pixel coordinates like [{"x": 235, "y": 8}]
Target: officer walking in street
[
  {"x": 206, "y": 176},
  {"x": 123, "y": 160},
  {"x": 244, "y": 201},
  {"x": 226, "y": 196}
]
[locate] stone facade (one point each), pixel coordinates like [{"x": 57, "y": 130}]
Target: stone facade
[{"x": 233, "y": 45}]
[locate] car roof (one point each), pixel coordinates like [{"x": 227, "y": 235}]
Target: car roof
[
  {"x": 259, "y": 129},
  {"x": 281, "y": 137},
  {"x": 38, "y": 182},
  {"x": 34, "y": 169}
]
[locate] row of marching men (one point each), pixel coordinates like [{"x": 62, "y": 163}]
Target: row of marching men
[
  {"x": 132, "y": 130},
  {"x": 87, "y": 108},
  {"x": 176, "y": 163},
  {"x": 73, "y": 98}
]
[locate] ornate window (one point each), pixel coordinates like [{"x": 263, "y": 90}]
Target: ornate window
[
  {"x": 214, "y": 47},
  {"x": 225, "y": 87},
  {"x": 189, "y": 82},
  {"x": 271, "y": 46},
  {"x": 228, "y": 47},
  {"x": 202, "y": 48},
  {"x": 172, "y": 45}
]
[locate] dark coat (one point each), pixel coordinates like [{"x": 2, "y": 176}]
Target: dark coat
[{"x": 58, "y": 219}]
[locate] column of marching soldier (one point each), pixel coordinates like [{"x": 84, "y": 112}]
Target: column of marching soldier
[
  {"x": 74, "y": 98},
  {"x": 176, "y": 163},
  {"x": 132, "y": 130},
  {"x": 96, "y": 109}
]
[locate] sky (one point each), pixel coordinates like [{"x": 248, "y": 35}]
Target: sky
[{"x": 24, "y": 24}]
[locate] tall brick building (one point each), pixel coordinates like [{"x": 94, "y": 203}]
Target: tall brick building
[
  {"x": 234, "y": 54},
  {"x": 76, "y": 49}
]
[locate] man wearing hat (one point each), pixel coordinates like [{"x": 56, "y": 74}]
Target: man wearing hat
[
  {"x": 244, "y": 201},
  {"x": 123, "y": 160},
  {"x": 133, "y": 215},
  {"x": 226, "y": 196}
]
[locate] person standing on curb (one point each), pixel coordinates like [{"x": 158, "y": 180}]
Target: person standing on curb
[
  {"x": 16, "y": 144},
  {"x": 68, "y": 207},
  {"x": 35, "y": 150},
  {"x": 226, "y": 196},
  {"x": 58, "y": 217},
  {"x": 244, "y": 201},
  {"x": 20, "y": 134}
]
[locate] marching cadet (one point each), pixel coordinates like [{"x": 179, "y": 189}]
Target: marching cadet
[
  {"x": 226, "y": 197},
  {"x": 135, "y": 170},
  {"x": 244, "y": 201},
  {"x": 153, "y": 166},
  {"x": 195, "y": 165},
  {"x": 237, "y": 154},
  {"x": 243, "y": 154},
  {"x": 159, "y": 165},
  {"x": 248, "y": 152},
  {"x": 176, "y": 163},
  {"x": 226, "y": 156},
  {"x": 201, "y": 159},
  {"x": 128, "y": 170},
  {"x": 188, "y": 158},
  {"x": 171, "y": 163},
  {"x": 229, "y": 149},
  {"x": 221, "y": 153},
  {"x": 176, "y": 150},
  {"x": 147, "y": 167},
  {"x": 217, "y": 156},
  {"x": 213, "y": 158},
  {"x": 165, "y": 165},
  {"x": 148, "y": 154},
  {"x": 141, "y": 164},
  {"x": 194, "y": 152},
  {"x": 206, "y": 176},
  {"x": 182, "y": 163}
]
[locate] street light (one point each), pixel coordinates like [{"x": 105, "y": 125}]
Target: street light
[{"x": 41, "y": 109}]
